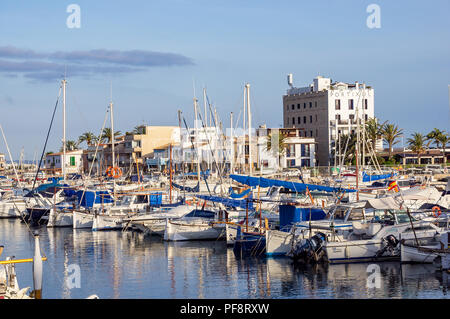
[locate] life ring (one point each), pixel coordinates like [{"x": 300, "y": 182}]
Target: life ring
[
  {"x": 114, "y": 171},
  {"x": 108, "y": 170},
  {"x": 434, "y": 209}
]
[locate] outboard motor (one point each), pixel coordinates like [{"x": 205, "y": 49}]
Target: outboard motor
[
  {"x": 309, "y": 251},
  {"x": 390, "y": 245}
]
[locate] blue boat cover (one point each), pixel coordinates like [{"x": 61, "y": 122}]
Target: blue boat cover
[
  {"x": 370, "y": 178},
  {"x": 297, "y": 187},
  {"x": 242, "y": 194},
  {"x": 46, "y": 187},
  {"x": 195, "y": 189},
  {"x": 228, "y": 201},
  {"x": 89, "y": 198}
]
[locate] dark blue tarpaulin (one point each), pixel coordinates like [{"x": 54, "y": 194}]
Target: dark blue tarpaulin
[
  {"x": 228, "y": 201},
  {"x": 89, "y": 198},
  {"x": 371, "y": 178},
  {"x": 297, "y": 187},
  {"x": 195, "y": 189}
]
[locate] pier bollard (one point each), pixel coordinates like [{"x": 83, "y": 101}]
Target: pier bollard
[{"x": 37, "y": 268}]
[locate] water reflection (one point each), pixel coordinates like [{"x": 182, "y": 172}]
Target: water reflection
[{"x": 119, "y": 264}]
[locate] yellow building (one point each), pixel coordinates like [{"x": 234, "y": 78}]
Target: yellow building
[{"x": 137, "y": 147}]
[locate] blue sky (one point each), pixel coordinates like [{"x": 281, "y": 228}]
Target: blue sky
[{"x": 158, "y": 49}]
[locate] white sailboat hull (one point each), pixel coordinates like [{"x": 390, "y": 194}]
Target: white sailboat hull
[
  {"x": 107, "y": 222},
  {"x": 9, "y": 209},
  {"x": 278, "y": 243},
  {"x": 82, "y": 220},
  {"x": 180, "y": 231},
  {"x": 414, "y": 255},
  {"x": 60, "y": 219}
]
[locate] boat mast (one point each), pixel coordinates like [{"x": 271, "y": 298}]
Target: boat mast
[
  {"x": 358, "y": 140},
  {"x": 196, "y": 139},
  {"x": 250, "y": 159},
  {"x": 231, "y": 145},
  {"x": 113, "y": 159},
  {"x": 170, "y": 173},
  {"x": 64, "y": 82}
]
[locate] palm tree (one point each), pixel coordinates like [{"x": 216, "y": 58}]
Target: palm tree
[
  {"x": 432, "y": 137},
  {"x": 140, "y": 129},
  {"x": 443, "y": 138},
  {"x": 106, "y": 135},
  {"x": 417, "y": 144},
  {"x": 374, "y": 131},
  {"x": 87, "y": 137},
  {"x": 281, "y": 144},
  {"x": 70, "y": 146},
  {"x": 349, "y": 141},
  {"x": 391, "y": 133}
]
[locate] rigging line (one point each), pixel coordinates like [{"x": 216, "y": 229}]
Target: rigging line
[
  {"x": 46, "y": 140},
  {"x": 95, "y": 154},
  {"x": 193, "y": 147},
  {"x": 212, "y": 151}
]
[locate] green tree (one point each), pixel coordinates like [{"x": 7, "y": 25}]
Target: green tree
[
  {"x": 281, "y": 144},
  {"x": 374, "y": 131},
  {"x": 87, "y": 137},
  {"x": 432, "y": 137},
  {"x": 391, "y": 134},
  {"x": 443, "y": 138},
  {"x": 70, "y": 146},
  {"x": 417, "y": 144},
  {"x": 348, "y": 145},
  {"x": 106, "y": 135}
]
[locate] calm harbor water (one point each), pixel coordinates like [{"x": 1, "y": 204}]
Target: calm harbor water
[{"x": 119, "y": 264}]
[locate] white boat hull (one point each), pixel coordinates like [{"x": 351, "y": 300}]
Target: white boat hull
[
  {"x": 414, "y": 255},
  {"x": 278, "y": 243},
  {"x": 9, "y": 209},
  {"x": 180, "y": 231},
  {"x": 107, "y": 222},
  {"x": 60, "y": 219},
  {"x": 82, "y": 220}
]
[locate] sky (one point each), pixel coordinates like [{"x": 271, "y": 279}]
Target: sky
[{"x": 151, "y": 57}]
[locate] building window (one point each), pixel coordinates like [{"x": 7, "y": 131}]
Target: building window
[
  {"x": 317, "y": 132},
  {"x": 305, "y": 149},
  {"x": 350, "y": 104},
  {"x": 304, "y": 119},
  {"x": 304, "y": 105},
  {"x": 311, "y": 134},
  {"x": 338, "y": 117},
  {"x": 293, "y": 121},
  {"x": 293, "y": 106},
  {"x": 316, "y": 117},
  {"x": 315, "y": 104},
  {"x": 365, "y": 104},
  {"x": 366, "y": 117},
  {"x": 310, "y": 104},
  {"x": 72, "y": 161},
  {"x": 298, "y": 106},
  {"x": 352, "y": 116},
  {"x": 310, "y": 119},
  {"x": 299, "y": 120},
  {"x": 290, "y": 150},
  {"x": 337, "y": 104},
  {"x": 291, "y": 163},
  {"x": 306, "y": 162}
]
